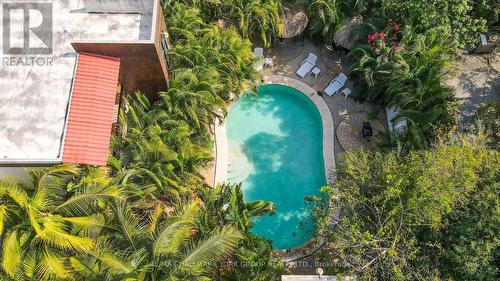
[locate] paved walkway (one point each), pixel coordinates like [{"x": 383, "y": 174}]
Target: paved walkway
[{"x": 476, "y": 83}]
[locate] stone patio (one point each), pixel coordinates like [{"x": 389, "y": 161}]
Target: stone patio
[
  {"x": 287, "y": 56},
  {"x": 350, "y": 136}
]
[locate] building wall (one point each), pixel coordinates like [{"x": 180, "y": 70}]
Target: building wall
[
  {"x": 16, "y": 172},
  {"x": 161, "y": 28}
]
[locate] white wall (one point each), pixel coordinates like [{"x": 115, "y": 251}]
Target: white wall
[{"x": 17, "y": 172}]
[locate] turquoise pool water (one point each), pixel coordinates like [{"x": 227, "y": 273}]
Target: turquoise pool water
[{"x": 275, "y": 150}]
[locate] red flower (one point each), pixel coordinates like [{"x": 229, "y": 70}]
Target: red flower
[
  {"x": 391, "y": 20},
  {"x": 394, "y": 47},
  {"x": 394, "y": 37},
  {"x": 396, "y": 27},
  {"x": 382, "y": 35}
]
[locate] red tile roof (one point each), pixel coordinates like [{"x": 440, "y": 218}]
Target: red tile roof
[{"x": 91, "y": 111}]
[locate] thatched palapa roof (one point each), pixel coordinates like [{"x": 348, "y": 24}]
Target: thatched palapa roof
[
  {"x": 294, "y": 22},
  {"x": 345, "y": 37}
]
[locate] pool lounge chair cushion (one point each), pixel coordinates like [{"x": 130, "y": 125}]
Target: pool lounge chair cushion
[{"x": 342, "y": 78}]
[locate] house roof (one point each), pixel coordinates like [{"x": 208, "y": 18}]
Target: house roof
[
  {"x": 36, "y": 93},
  {"x": 91, "y": 110}
]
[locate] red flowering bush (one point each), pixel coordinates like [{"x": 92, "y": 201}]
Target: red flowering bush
[{"x": 390, "y": 36}]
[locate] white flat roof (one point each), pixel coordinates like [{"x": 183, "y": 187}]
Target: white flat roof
[{"x": 34, "y": 98}]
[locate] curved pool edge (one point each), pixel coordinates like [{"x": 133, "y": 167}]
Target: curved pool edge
[{"x": 221, "y": 144}]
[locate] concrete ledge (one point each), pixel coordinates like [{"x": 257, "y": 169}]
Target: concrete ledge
[{"x": 221, "y": 153}]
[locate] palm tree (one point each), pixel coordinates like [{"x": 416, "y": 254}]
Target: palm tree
[
  {"x": 220, "y": 57},
  {"x": 160, "y": 242},
  {"x": 193, "y": 97},
  {"x": 225, "y": 203},
  {"x": 375, "y": 71},
  {"x": 260, "y": 18},
  {"x": 183, "y": 21},
  {"x": 225, "y": 206},
  {"x": 158, "y": 148},
  {"x": 42, "y": 228},
  {"x": 325, "y": 17}
]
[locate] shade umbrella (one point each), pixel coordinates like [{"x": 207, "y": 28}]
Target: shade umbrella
[
  {"x": 294, "y": 22},
  {"x": 345, "y": 37}
]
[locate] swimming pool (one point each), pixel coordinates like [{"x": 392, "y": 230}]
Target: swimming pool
[{"x": 275, "y": 150}]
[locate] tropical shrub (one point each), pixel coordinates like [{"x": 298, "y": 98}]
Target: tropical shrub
[
  {"x": 488, "y": 10},
  {"x": 40, "y": 232},
  {"x": 455, "y": 16},
  {"x": 256, "y": 18},
  {"x": 80, "y": 223},
  {"x": 389, "y": 37}
]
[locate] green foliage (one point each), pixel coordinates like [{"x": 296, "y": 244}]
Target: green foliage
[
  {"x": 165, "y": 143},
  {"x": 429, "y": 214},
  {"x": 149, "y": 216},
  {"x": 324, "y": 17},
  {"x": 254, "y": 18},
  {"x": 42, "y": 226},
  {"x": 455, "y": 16},
  {"x": 488, "y": 115},
  {"x": 80, "y": 223},
  {"x": 488, "y": 10},
  {"x": 470, "y": 239},
  {"x": 260, "y": 18}
]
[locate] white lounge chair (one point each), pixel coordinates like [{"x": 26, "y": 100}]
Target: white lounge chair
[
  {"x": 259, "y": 55},
  {"x": 307, "y": 65},
  {"x": 335, "y": 85}
]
